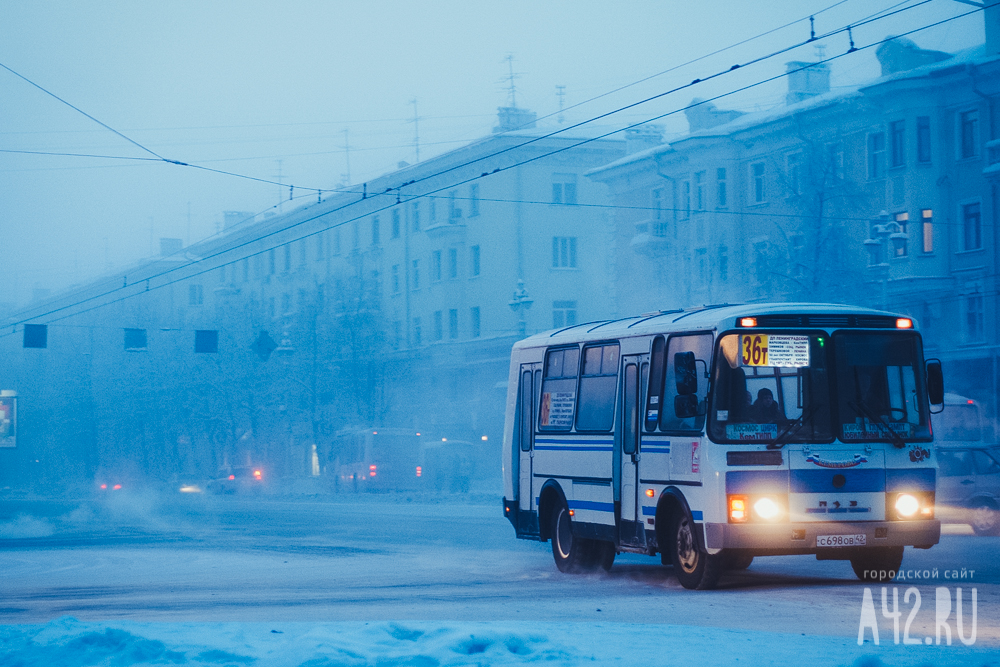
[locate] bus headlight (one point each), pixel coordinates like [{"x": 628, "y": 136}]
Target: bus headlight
[
  {"x": 913, "y": 505},
  {"x": 766, "y": 508}
]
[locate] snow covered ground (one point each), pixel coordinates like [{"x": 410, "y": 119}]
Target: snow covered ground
[
  {"x": 386, "y": 581},
  {"x": 67, "y": 642}
]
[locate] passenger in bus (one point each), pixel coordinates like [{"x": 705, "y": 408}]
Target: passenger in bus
[{"x": 765, "y": 409}]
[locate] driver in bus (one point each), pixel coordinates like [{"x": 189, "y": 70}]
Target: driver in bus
[{"x": 765, "y": 409}]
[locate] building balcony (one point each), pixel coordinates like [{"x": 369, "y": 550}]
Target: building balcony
[
  {"x": 442, "y": 229},
  {"x": 650, "y": 239}
]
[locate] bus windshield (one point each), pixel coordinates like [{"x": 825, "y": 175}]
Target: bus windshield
[
  {"x": 880, "y": 387},
  {"x": 771, "y": 388}
]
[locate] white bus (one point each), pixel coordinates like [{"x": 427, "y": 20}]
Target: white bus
[{"x": 714, "y": 435}]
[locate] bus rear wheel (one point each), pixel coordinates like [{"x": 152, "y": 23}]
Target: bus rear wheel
[
  {"x": 695, "y": 568},
  {"x": 877, "y": 563},
  {"x": 572, "y": 554}
]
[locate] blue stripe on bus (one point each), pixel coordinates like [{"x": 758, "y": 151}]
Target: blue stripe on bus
[
  {"x": 575, "y": 449},
  {"x": 591, "y": 505},
  {"x": 910, "y": 479},
  {"x": 757, "y": 481},
  {"x": 656, "y": 449},
  {"x": 696, "y": 515},
  {"x": 556, "y": 441},
  {"x": 868, "y": 480},
  {"x": 651, "y": 511}
]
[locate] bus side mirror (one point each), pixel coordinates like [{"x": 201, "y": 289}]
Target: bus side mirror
[
  {"x": 935, "y": 382},
  {"x": 686, "y": 406},
  {"x": 686, "y": 374}
]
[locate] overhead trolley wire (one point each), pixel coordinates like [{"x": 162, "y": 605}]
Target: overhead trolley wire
[{"x": 398, "y": 189}]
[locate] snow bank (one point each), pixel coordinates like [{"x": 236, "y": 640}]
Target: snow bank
[{"x": 67, "y": 642}]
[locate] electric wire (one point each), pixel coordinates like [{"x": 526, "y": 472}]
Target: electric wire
[{"x": 398, "y": 189}]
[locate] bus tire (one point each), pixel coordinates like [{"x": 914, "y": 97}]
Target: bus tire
[
  {"x": 695, "y": 568},
  {"x": 605, "y": 552},
  {"x": 572, "y": 554},
  {"x": 876, "y": 563},
  {"x": 984, "y": 518}
]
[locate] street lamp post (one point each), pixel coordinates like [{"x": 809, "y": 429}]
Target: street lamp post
[{"x": 520, "y": 304}]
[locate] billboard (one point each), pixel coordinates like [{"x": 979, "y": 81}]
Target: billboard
[{"x": 8, "y": 421}]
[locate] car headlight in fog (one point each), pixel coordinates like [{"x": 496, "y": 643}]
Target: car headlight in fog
[
  {"x": 766, "y": 508},
  {"x": 906, "y": 505}
]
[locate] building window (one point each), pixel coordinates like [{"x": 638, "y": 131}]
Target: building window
[
  {"x": 721, "y": 195},
  {"x": 431, "y": 214},
  {"x": 416, "y": 274},
  {"x": 417, "y": 332},
  {"x": 436, "y": 265},
  {"x": 923, "y": 139},
  {"x": 473, "y": 200},
  {"x": 336, "y": 242},
  {"x": 563, "y": 188},
  {"x": 685, "y": 200},
  {"x": 968, "y": 127},
  {"x": 563, "y": 314},
  {"x": 195, "y": 297},
  {"x": 272, "y": 262},
  {"x": 564, "y": 252},
  {"x": 701, "y": 254},
  {"x": 287, "y": 248},
  {"x": 897, "y": 143},
  {"x": 438, "y": 325},
  {"x": 834, "y": 163},
  {"x": 356, "y": 229},
  {"x": 900, "y": 244},
  {"x": 758, "y": 193},
  {"x": 474, "y": 260},
  {"x": 794, "y": 171},
  {"x": 453, "y": 323},
  {"x": 454, "y": 212},
  {"x": 972, "y": 227},
  {"x": 659, "y": 219},
  {"x": 320, "y": 238},
  {"x": 876, "y": 155},
  {"x": 723, "y": 263},
  {"x": 927, "y": 222},
  {"x": 762, "y": 269},
  {"x": 452, "y": 263},
  {"x": 302, "y": 252},
  {"x": 395, "y": 278},
  {"x": 974, "y": 318},
  {"x": 375, "y": 230},
  {"x": 474, "y": 317},
  {"x": 699, "y": 191}
]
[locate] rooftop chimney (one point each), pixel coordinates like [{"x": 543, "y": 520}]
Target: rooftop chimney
[
  {"x": 512, "y": 118},
  {"x": 806, "y": 80},
  {"x": 704, "y": 115},
  {"x": 642, "y": 137},
  {"x": 170, "y": 247}
]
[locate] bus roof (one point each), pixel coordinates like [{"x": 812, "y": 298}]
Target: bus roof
[{"x": 721, "y": 316}]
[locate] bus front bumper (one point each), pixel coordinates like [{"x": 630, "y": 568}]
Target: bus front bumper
[{"x": 802, "y": 537}]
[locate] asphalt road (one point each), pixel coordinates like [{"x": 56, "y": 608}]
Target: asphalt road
[{"x": 340, "y": 558}]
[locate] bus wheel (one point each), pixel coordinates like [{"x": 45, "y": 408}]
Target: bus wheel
[
  {"x": 984, "y": 519},
  {"x": 876, "y": 564},
  {"x": 571, "y": 553},
  {"x": 605, "y": 552},
  {"x": 695, "y": 568}
]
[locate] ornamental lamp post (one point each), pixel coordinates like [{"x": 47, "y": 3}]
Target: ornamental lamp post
[{"x": 520, "y": 304}]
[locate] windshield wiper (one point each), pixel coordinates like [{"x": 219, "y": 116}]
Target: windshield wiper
[
  {"x": 780, "y": 440},
  {"x": 877, "y": 419}
]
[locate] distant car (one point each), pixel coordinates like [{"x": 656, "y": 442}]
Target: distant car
[
  {"x": 969, "y": 481},
  {"x": 239, "y": 480}
]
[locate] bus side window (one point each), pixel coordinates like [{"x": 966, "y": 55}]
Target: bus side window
[
  {"x": 653, "y": 402},
  {"x": 525, "y": 411},
  {"x": 700, "y": 345},
  {"x": 596, "y": 411},
  {"x": 558, "y": 401}
]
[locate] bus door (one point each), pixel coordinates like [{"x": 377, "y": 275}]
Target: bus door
[
  {"x": 631, "y": 532},
  {"x": 528, "y": 395}
]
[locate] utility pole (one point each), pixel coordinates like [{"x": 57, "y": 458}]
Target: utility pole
[
  {"x": 561, "y": 94},
  {"x": 510, "y": 79}
]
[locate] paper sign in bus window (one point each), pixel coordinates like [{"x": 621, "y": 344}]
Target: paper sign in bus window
[
  {"x": 775, "y": 351},
  {"x": 557, "y": 408},
  {"x": 752, "y": 432}
]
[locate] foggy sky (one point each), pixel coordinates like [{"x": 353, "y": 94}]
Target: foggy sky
[{"x": 238, "y": 86}]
